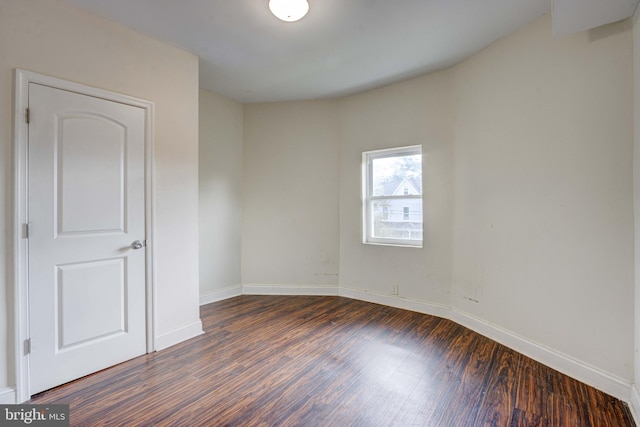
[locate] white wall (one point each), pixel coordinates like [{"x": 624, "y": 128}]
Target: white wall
[
  {"x": 414, "y": 112},
  {"x": 52, "y": 38},
  {"x": 290, "y": 222},
  {"x": 543, "y": 215},
  {"x": 220, "y": 189},
  {"x": 635, "y": 402}
]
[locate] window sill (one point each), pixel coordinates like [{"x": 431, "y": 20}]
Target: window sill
[{"x": 398, "y": 245}]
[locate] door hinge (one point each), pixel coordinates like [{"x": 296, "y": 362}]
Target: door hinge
[
  {"x": 27, "y": 346},
  {"x": 26, "y": 231},
  {"x": 27, "y": 116}
]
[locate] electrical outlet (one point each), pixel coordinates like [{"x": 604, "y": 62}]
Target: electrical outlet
[{"x": 394, "y": 289}]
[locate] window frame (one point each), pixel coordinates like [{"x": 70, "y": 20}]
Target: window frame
[{"x": 368, "y": 199}]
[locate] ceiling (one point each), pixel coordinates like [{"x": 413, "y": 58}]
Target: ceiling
[{"x": 341, "y": 47}]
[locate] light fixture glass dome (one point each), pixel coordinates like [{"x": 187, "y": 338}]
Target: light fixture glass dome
[{"x": 289, "y": 10}]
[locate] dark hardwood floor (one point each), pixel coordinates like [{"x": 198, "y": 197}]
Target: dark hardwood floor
[{"x": 332, "y": 361}]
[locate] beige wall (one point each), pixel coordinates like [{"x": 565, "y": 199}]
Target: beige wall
[
  {"x": 220, "y": 189},
  {"x": 543, "y": 215},
  {"x": 52, "y": 38},
  {"x": 635, "y": 406},
  {"x": 290, "y": 222},
  {"x": 414, "y": 112}
]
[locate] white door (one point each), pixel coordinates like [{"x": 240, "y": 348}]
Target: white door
[{"x": 86, "y": 208}]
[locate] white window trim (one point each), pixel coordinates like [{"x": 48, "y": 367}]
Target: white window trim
[{"x": 368, "y": 199}]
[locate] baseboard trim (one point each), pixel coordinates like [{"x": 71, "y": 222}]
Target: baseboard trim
[
  {"x": 7, "y": 396},
  {"x": 568, "y": 365},
  {"x": 319, "y": 290},
  {"x": 178, "y": 335},
  {"x": 419, "y": 306},
  {"x": 634, "y": 403},
  {"x": 221, "y": 294}
]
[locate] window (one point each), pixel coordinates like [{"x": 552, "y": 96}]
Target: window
[
  {"x": 392, "y": 196},
  {"x": 385, "y": 213}
]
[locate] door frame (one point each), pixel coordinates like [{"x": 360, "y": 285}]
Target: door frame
[{"x": 20, "y": 215}]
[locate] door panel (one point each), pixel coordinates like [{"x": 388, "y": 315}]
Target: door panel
[
  {"x": 90, "y": 290},
  {"x": 90, "y": 175},
  {"x": 87, "y": 297}
]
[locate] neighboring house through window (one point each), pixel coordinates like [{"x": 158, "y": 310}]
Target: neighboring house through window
[{"x": 392, "y": 196}]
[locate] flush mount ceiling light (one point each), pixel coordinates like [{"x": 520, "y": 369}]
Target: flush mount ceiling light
[{"x": 289, "y": 10}]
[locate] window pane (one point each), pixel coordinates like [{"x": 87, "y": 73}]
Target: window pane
[
  {"x": 397, "y": 176},
  {"x": 397, "y": 218}
]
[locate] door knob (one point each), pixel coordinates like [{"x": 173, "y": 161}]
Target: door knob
[{"x": 137, "y": 244}]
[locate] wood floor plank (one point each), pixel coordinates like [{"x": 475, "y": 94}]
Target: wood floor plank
[
  {"x": 497, "y": 404},
  {"x": 332, "y": 361}
]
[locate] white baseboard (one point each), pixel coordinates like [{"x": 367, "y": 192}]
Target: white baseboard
[
  {"x": 634, "y": 403},
  {"x": 320, "y": 290},
  {"x": 178, "y": 335},
  {"x": 221, "y": 294},
  {"x": 7, "y": 396},
  {"x": 432, "y": 308},
  {"x": 568, "y": 365}
]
